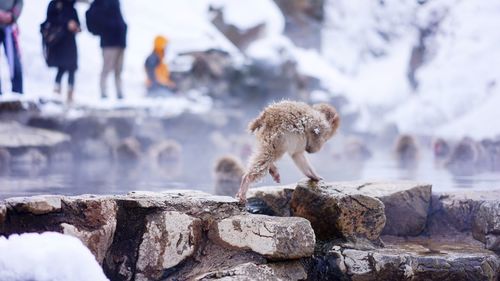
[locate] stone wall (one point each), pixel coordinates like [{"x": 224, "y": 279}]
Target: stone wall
[{"x": 337, "y": 231}]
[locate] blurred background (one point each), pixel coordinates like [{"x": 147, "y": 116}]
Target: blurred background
[{"x": 415, "y": 82}]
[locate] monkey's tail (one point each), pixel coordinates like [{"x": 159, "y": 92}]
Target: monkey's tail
[{"x": 256, "y": 124}]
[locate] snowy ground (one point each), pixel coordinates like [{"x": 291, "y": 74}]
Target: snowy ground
[
  {"x": 48, "y": 256},
  {"x": 458, "y": 84}
]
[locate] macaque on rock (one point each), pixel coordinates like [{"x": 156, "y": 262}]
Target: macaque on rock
[{"x": 288, "y": 127}]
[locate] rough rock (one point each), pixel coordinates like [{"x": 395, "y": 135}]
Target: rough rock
[
  {"x": 468, "y": 211},
  {"x": 486, "y": 225},
  {"x": 273, "y": 237},
  {"x": 139, "y": 215},
  {"x": 406, "y": 204},
  {"x": 211, "y": 258},
  {"x": 36, "y": 205},
  {"x": 15, "y": 136},
  {"x": 169, "y": 239},
  {"x": 18, "y": 110},
  {"x": 335, "y": 214},
  {"x": 422, "y": 259},
  {"x": 276, "y": 198},
  {"x": 292, "y": 271},
  {"x": 93, "y": 222}
]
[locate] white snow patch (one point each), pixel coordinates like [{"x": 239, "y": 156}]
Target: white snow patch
[{"x": 48, "y": 256}]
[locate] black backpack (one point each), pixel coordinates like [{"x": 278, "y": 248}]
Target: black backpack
[
  {"x": 51, "y": 35},
  {"x": 93, "y": 18}
]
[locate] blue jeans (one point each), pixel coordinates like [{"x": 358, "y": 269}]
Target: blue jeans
[{"x": 17, "y": 73}]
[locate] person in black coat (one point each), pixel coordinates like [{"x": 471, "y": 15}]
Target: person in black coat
[
  {"x": 63, "y": 53},
  {"x": 112, "y": 29}
]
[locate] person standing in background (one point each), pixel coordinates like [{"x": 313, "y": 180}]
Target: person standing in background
[
  {"x": 105, "y": 19},
  {"x": 63, "y": 54},
  {"x": 9, "y": 13}
]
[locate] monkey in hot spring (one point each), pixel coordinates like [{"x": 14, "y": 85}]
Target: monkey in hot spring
[{"x": 288, "y": 127}]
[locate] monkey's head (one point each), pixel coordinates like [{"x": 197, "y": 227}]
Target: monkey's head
[
  {"x": 229, "y": 165},
  {"x": 318, "y": 135}
]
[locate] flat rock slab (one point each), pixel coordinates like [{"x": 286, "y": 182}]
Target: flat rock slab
[
  {"x": 15, "y": 135},
  {"x": 292, "y": 271},
  {"x": 191, "y": 202},
  {"x": 37, "y": 205},
  {"x": 423, "y": 259},
  {"x": 335, "y": 213},
  {"x": 273, "y": 237},
  {"x": 169, "y": 239}
]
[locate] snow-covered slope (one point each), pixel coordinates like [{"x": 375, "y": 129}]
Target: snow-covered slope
[{"x": 371, "y": 44}]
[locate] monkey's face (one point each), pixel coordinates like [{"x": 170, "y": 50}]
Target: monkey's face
[{"x": 316, "y": 138}]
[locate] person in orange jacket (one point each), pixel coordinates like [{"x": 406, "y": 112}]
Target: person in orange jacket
[{"x": 156, "y": 69}]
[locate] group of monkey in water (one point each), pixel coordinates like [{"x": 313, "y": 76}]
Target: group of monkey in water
[{"x": 296, "y": 128}]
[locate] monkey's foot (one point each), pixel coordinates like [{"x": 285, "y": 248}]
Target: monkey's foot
[
  {"x": 275, "y": 175},
  {"x": 241, "y": 197}
]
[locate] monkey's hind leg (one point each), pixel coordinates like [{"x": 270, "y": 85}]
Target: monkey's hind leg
[
  {"x": 273, "y": 170},
  {"x": 260, "y": 163}
]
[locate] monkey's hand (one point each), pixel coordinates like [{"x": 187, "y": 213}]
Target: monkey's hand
[
  {"x": 314, "y": 177},
  {"x": 273, "y": 170}
]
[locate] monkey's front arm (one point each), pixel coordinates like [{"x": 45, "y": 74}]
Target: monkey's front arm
[{"x": 304, "y": 166}]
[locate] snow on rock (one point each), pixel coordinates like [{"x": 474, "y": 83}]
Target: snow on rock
[{"x": 48, "y": 256}]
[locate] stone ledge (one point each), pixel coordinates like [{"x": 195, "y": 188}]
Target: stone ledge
[
  {"x": 37, "y": 205},
  {"x": 450, "y": 258},
  {"x": 197, "y": 236},
  {"x": 406, "y": 203}
]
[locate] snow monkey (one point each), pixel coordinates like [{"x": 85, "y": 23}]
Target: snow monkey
[
  {"x": 288, "y": 126},
  {"x": 228, "y": 172}
]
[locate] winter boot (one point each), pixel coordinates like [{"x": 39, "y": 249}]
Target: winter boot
[
  {"x": 70, "y": 95},
  {"x": 119, "y": 95},
  {"x": 57, "y": 88}
]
